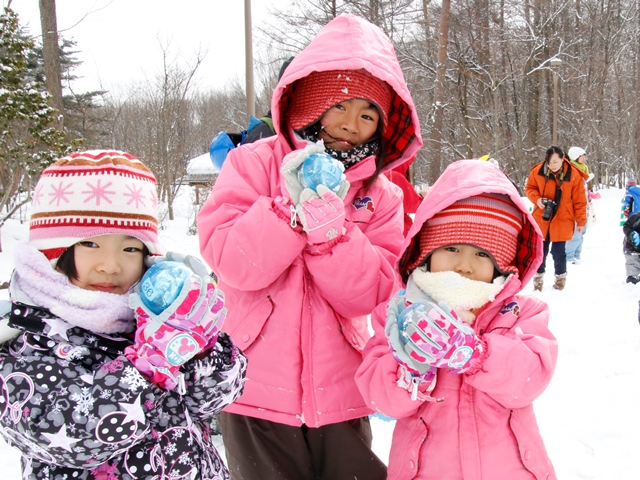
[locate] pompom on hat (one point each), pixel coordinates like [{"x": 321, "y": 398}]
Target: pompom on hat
[
  {"x": 319, "y": 91},
  {"x": 93, "y": 193},
  {"x": 488, "y": 221}
]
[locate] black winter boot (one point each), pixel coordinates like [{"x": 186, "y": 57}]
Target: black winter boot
[{"x": 633, "y": 279}]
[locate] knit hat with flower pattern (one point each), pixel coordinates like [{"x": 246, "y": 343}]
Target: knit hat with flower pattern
[{"x": 93, "y": 193}]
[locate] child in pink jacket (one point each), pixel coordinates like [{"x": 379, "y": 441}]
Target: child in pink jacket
[
  {"x": 459, "y": 357},
  {"x": 302, "y": 268}
]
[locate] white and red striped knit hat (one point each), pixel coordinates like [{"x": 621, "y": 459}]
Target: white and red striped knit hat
[
  {"x": 488, "y": 221},
  {"x": 93, "y": 193}
]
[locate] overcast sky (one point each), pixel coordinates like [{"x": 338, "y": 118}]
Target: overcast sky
[{"x": 119, "y": 41}]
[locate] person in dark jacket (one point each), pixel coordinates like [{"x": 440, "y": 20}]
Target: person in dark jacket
[{"x": 82, "y": 397}]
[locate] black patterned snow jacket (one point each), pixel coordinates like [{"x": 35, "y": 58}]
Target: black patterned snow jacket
[{"x": 77, "y": 409}]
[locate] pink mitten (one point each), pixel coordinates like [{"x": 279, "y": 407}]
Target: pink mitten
[
  {"x": 321, "y": 214},
  {"x": 189, "y": 325},
  {"x": 437, "y": 337}
]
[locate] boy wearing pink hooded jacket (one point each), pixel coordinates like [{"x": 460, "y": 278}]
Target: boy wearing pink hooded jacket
[
  {"x": 301, "y": 270},
  {"x": 459, "y": 357}
]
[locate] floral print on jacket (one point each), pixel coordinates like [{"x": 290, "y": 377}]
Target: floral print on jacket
[{"x": 78, "y": 409}]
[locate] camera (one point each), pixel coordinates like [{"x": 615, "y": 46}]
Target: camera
[{"x": 549, "y": 208}]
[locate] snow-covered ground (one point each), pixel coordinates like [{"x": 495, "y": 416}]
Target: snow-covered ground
[{"x": 590, "y": 414}]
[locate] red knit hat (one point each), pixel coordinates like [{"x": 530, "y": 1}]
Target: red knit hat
[
  {"x": 319, "y": 91},
  {"x": 93, "y": 193},
  {"x": 488, "y": 221}
]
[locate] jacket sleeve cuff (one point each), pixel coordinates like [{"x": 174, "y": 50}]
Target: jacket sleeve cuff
[
  {"x": 419, "y": 386},
  {"x": 478, "y": 365},
  {"x": 282, "y": 213},
  {"x": 322, "y": 248}
]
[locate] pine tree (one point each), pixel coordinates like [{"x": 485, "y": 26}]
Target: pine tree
[
  {"x": 84, "y": 116},
  {"x": 28, "y": 141}
]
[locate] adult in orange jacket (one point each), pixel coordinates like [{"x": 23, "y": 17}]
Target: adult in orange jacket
[{"x": 556, "y": 189}]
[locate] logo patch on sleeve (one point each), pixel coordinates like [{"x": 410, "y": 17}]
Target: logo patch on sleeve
[
  {"x": 364, "y": 202},
  {"x": 511, "y": 307}
]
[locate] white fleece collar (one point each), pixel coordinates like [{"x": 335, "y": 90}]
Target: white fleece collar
[{"x": 459, "y": 293}]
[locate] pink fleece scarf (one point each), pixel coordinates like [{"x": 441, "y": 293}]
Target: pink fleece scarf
[{"x": 98, "y": 312}]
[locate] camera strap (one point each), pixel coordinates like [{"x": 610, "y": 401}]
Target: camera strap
[{"x": 559, "y": 180}]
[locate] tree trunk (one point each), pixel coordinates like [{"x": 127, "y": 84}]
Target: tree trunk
[
  {"x": 51, "y": 54},
  {"x": 636, "y": 139},
  {"x": 439, "y": 94}
]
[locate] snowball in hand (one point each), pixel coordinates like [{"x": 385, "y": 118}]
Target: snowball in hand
[
  {"x": 161, "y": 284},
  {"x": 320, "y": 168}
]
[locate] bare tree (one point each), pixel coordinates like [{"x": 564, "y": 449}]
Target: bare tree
[
  {"x": 439, "y": 100},
  {"x": 488, "y": 90},
  {"x": 51, "y": 53}
]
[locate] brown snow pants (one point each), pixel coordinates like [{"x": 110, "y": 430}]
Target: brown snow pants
[{"x": 262, "y": 450}]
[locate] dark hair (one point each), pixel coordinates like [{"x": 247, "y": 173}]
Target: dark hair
[
  {"x": 67, "y": 262},
  {"x": 551, "y": 150},
  {"x": 284, "y": 66}
]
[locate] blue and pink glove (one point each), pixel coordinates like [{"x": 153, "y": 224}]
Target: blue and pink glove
[
  {"x": 189, "y": 325},
  {"x": 397, "y": 340},
  {"x": 321, "y": 214},
  {"x": 426, "y": 335}
]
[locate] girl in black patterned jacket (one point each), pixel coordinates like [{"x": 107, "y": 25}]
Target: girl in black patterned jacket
[{"x": 95, "y": 384}]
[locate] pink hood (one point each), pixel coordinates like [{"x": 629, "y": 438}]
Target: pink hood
[
  {"x": 365, "y": 47},
  {"x": 467, "y": 178}
]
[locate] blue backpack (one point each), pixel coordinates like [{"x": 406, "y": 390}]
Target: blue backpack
[
  {"x": 632, "y": 200},
  {"x": 223, "y": 142}
]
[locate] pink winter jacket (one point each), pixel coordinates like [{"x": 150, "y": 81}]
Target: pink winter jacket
[
  {"x": 299, "y": 311},
  {"x": 484, "y": 428}
]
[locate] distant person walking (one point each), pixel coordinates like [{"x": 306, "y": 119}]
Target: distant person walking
[
  {"x": 573, "y": 248},
  {"x": 556, "y": 189}
]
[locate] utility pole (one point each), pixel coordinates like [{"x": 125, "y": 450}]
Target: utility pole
[{"x": 248, "y": 54}]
